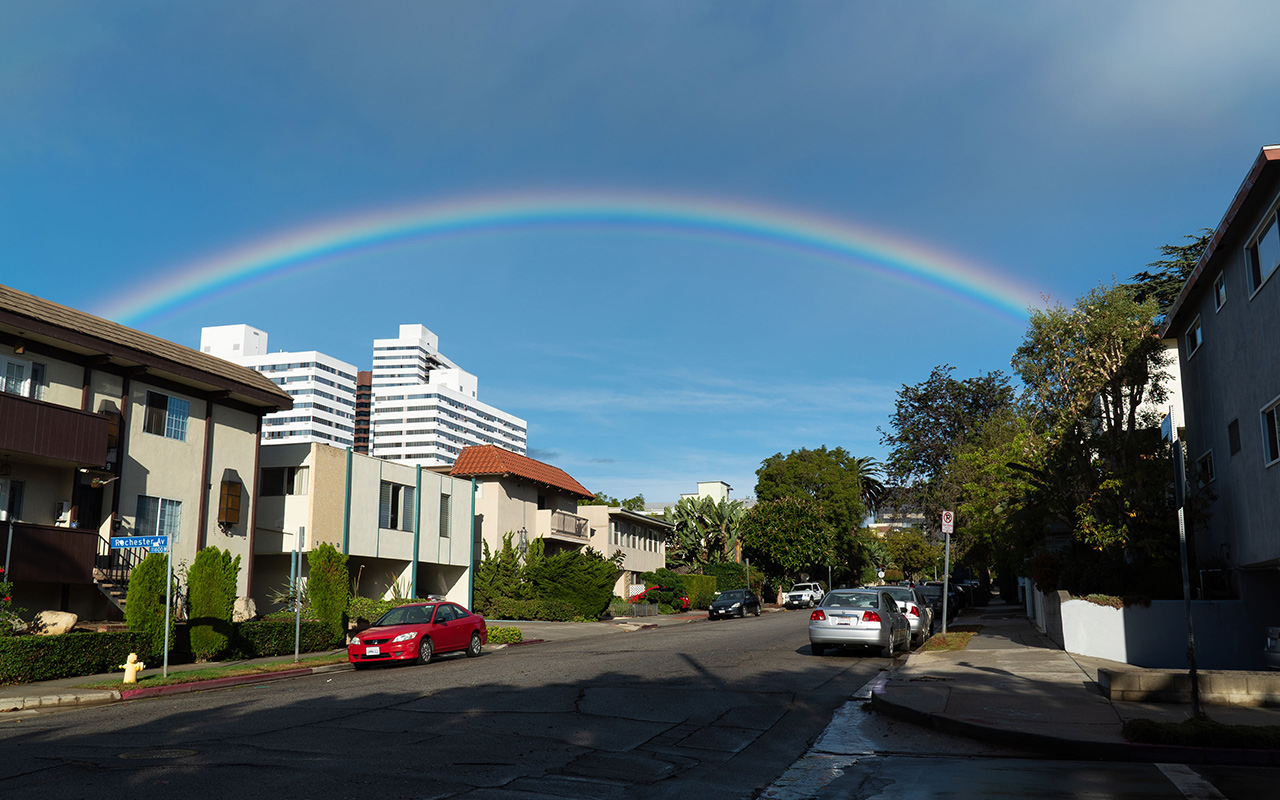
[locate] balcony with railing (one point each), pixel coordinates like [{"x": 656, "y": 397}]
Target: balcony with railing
[
  {"x": 68, "y": 435},
  {"x": 563, "y": 526}
]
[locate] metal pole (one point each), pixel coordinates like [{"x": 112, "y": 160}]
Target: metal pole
[
  {"x": 1180, "y": 497},
  {"x": 297, "y": 593},
  {"x": 946, "y": 585},
  {"x": 168, "y": 598}
]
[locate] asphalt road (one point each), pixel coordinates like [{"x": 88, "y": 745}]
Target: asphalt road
[{"x": 704, "y": 710}]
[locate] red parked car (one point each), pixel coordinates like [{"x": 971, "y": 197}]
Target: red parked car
[
  {"x": 679, "y": 599},
  {"x": 418, "y": 631}
]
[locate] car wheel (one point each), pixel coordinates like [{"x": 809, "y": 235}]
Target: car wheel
[
  {"x": 817, "y": 649},
  {"x": 425, "y": 650},
  {"x": 888, "y": 650},
  {"x": 473, "y": 649},
  {"x": 757, "y": 611}
]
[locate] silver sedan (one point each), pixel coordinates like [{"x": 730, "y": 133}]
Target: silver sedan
[{"x": 858, "y": 617}]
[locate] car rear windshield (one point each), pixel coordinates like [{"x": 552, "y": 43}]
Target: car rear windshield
[{"x": 858, "y": 600}]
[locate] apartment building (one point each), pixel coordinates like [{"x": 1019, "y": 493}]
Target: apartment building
[
  {"x": 404, "y": 529},
  {"x": 425, "y": 409},
  {"x": 105, "y": 430},
  {"x": 522, "y": 496},
  {"x": 641, "y": 538},
  {"x": 1225, "y": 316},
  {"x": 323, "y": 388}
]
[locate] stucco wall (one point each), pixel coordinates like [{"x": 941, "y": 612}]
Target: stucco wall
[{"x": 1156, "y": 637}]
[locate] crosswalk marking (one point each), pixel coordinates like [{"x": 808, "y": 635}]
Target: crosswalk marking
[{"x": 1190, "y": 783}]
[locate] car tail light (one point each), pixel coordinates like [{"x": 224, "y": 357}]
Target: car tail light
[
  {"x": 817, "y": 615},
  {"x": 870, "y": 616},
  {"x": 915, "y": 611}
]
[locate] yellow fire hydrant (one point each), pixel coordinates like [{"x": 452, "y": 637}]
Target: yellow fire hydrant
[{"x": 132, "y": 667}]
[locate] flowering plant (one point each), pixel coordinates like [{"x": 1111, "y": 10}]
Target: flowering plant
[{"x": 8, "y": 614}]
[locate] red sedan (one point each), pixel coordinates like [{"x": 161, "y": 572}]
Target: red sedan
[{"x": 418, "y": 631}]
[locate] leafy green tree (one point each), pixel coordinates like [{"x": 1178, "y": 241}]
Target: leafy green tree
[
  {"x": 601, "y": 499},
  {"x": 787, "y": 536},
  {"x": 144, "y": 601},
  {"x": 211, "y": 593},
  {"x": 833, "y": 479},
  {"x": 929, "y": 421},
  {"x": 329, "y": 587},
  {"x": 911, "y": 550},
  {"x": 498, "y": 574}
]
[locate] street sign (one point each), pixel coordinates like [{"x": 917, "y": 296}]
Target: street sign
[
  {"x": 948, "y": 522},
  {"x": 155, "y": 544}
]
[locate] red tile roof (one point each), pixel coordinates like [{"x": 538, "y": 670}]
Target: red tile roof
[{"x": 487, "y": 460}]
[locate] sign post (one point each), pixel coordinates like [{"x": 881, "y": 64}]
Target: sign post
[
  {"x": 948, "y": 527},
  {"x": 168, "y": 598},
  {"x": 297, "y": 592},
  {"x": 1180, "y": 499}
]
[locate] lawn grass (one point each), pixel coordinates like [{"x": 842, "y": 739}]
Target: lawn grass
[
  {"x": 218, "y": 671},
  {"x": 956, "y": 638},
  {"x": 1203, "y": 732}
]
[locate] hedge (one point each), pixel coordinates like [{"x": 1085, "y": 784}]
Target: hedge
[
  {"x": 701, "y": 589},
  {"x": 500, "y": 634},
  {"x": 26, "y": 659},
  {"x": 262, "y": 638}
]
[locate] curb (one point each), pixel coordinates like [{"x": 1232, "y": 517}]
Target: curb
[
  {"x": 1073, "y": 749},
  {"x": 85, "y": 697},
  {"x": 220, "y": 683}
]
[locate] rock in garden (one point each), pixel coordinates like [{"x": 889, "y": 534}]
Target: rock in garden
[
  {"x": 49, "y": 623},
  {"x": 245, "y": 609}
]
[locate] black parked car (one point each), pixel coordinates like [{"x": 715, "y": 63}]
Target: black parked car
[{"x": 734, "y": 603}]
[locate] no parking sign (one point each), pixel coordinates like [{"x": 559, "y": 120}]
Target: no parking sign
[{"x": 948, "y": 522}]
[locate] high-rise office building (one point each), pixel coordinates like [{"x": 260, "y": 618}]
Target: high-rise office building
[
  {"x": 425, "y": 408},
  {"x": 323, "y": 388}
]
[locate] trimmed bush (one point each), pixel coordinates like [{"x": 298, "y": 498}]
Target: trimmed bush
[
  {"x": 211, "y": 588},
  {"x": 546, "y": 610},
  {"x": 701, "y": 589},
  {"x": 329, "y": 587},
  {"x": 144, "y": 603},
  {"x": 505, "y": 635},
  {"x": 261, "y": 638},
  {"x": 26, "y": 659}
]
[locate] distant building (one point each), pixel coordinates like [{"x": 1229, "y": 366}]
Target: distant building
[
  {"x": 322, "y": 387},
  {"x": 716, "y": 490},
  {"x": 425, "y": 409},
  {"x": 641, "y": 538},
  {"x": 364, "y": 409}
]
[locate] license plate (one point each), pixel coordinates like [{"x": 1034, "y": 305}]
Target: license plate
[{"x": 373, "y": 651}]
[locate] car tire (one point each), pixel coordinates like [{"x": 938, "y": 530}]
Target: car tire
[
  {"x": 888, "y": 650},
  {"x": 757, "y": 611},
  {"x": 473, "y": 649},
  {"x": 425, "y": 650},
  {"x": 817, "y": 649}
]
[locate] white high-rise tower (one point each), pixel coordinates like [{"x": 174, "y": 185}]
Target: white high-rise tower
[
  {"x": 323, "y": 388},
  {"x": 425, "y": 409}
]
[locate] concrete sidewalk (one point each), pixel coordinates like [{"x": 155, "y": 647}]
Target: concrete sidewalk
[{"x": 1013, "y": 686}]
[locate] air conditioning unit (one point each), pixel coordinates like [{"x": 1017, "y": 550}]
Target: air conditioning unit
[{"x": 62, "y": 512}]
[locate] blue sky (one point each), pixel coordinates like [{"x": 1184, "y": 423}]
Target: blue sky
[{"x": 1050, "y": 145}]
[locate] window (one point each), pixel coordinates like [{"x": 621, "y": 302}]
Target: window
[
  {"x": 396, "y": 507},
  {"x": 229, "y": 503},
  {"x": 158, "y": 516},
  {"x": 166, "y": 416},
  {"x": 15, "y": 375},
  {"x": 1263, "y": 254},
  {"x": 11, "y": 497},
  {"x": 1204, "y": 469},
  {"x": 446, "y": 514},
  {"x": 1233, "y": 436},
  {"x": 1219, "y": 292},
  {"x": 283, "y": 481},
  {"x": 1271, "y": 434},
  {"x": 1194, "y": 338}
]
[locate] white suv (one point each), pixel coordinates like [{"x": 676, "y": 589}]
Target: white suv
[{"x": 803, "y": 595}]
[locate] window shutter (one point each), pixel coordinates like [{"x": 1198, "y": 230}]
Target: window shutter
[{"x": 229, "y": 503}]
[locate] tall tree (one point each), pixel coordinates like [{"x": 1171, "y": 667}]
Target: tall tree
[
  {"x": 931, "y": 419},
  {"x": 706, "y": 531},
  {"x": 1166, "y": 276},
  {"x": 785, "y": 536},
  {"x": 601, "y": 499},
  {"x": 833, "y": 478}
]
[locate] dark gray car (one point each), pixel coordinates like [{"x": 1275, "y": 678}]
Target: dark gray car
[{"x": 734, "y": 603}]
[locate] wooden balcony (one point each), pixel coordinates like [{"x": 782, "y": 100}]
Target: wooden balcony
[
  {"x": 48, "y": 554},
  {"x": 67, "y": 435}
]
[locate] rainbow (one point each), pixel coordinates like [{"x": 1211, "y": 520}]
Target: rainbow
[{"x": 311, "y": 246}]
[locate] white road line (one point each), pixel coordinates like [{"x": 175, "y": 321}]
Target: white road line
[{"x": 1189, "y": 782}]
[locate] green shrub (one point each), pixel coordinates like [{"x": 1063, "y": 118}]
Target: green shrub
[
  {"x": 26, "y": 659},
  {"x": 144, "y": 603},
  {"x": 546, "y": 610},
  {"x": 619, "y": 607},
  {"x": 328, "y": 586},
  {"x": 261, "y": 638},
  {"x": 701, "y": 589},
  {"x": 505, "y": 635},
  {"x": 581, "y": 579},
  {"x": 733, "y": 576},
  {"x": 211, "y": 589},
  {"x": 665, "y": 608}
]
